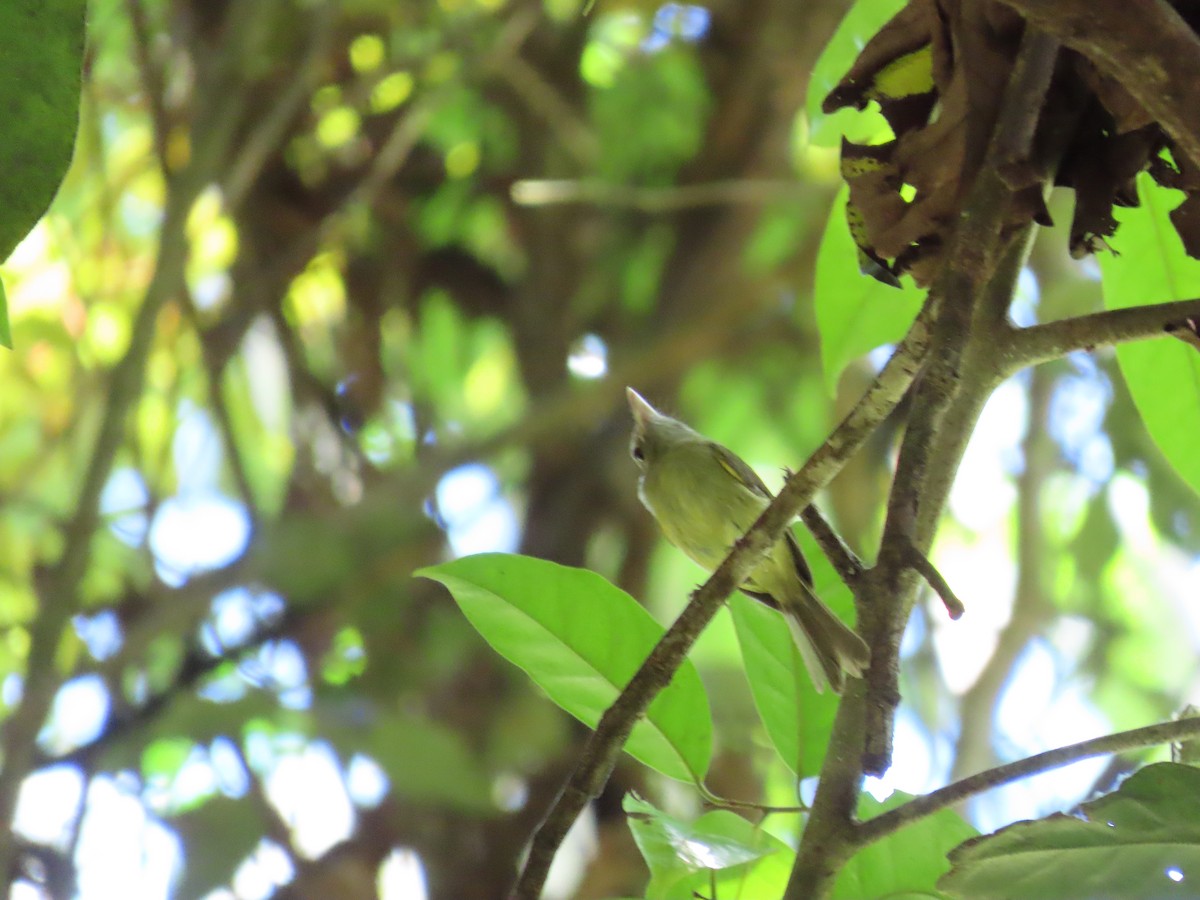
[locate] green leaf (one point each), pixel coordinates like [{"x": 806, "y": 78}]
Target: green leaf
[
  {"x": 906, "y": 862},
  {"x": 855, "y": 313},
  {"x": 40, "y": 65},
  {"x": 683, "y": 856},
  {"x": 1163, "y": 375},
  {"x": 857, "y": 27},
  {"x": 581, "y": 639},
  {"x": 1125, "y": 846},
  {"x": 798, "y": 719}
]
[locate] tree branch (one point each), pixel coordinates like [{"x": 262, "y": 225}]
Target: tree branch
[
  {"x": 1023, "y": 347},
  {"x": 550, "y": 192},
  {"x": 1148, "y": 736},
  {"x": 605, "y": 745},
  {"x": 844, "y": 560},
  {"x": 978, "y": 276},
  {"x": 927, "y": 570},
  {"x": 1145, "y": 45}
]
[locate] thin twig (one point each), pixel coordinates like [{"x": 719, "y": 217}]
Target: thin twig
[
  {"x": 550, "y": 192},
  {"x": 152, "y": 78},
  {"x": 1148, "y": 736},
  {"x": 267, "y": 136},
  {"x": 927, "y": 570},
  {"x": 848, "y": 566}
]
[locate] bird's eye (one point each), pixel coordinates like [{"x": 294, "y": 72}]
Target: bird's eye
[{"x": 637, "y": 453}]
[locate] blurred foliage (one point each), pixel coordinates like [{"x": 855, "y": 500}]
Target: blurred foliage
[{"x": 337, "y": 291}]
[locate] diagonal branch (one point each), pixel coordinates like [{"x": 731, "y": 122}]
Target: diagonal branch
[
  {"x": 844, "y": 560},
  {"x": 1148, "y": 736}
]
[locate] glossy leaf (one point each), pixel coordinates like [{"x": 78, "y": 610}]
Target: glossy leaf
[
  {"x": 581, "y": 639},
  {"x": 677, "y": 851},
  {"x": 798, "y": 720},
  {"x": 1142, "y": 841}
]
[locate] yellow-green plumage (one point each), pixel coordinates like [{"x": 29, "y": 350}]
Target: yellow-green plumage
[{"x": 705, "y": 498}]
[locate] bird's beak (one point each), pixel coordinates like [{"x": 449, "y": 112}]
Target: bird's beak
[{"x": 642, "y": 411}]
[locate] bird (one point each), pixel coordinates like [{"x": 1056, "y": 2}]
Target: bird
[{"x": 705, "y": 497}]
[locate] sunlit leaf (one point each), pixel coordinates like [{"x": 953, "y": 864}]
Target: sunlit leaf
[
  {"x": 581, "y": 639},
  {"x": 1141, "y": 841},
  {"x": 855, "y": 312},
  {"x": 1163, "y": 375},
  {"x": 857, "y": 27}
]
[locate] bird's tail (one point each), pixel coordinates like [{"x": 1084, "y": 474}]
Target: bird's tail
[{"x": 830, "y": 648}]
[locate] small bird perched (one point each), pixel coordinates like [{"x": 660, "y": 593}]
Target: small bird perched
[{"x": 705, "y": 498}]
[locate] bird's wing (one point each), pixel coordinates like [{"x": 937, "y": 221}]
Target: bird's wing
[{"x": 746, "y": 476}]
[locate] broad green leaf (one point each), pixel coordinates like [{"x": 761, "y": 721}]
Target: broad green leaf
[
  {"x": 581, "y": 639},
  {"x": 1163, "y": 375},
  {"x": 1142, "y": 841},
  {"x": 798, "y": 719},
  {"x": 907, "y": 862},
  {"x": 40, "y": 66},
  {"x": 855, "y": 313},
  {"x": 857, "y": 27},
  {"x": 683, "y": 856}
]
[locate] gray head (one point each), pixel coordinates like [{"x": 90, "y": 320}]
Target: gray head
[{"x": 653, "y": 432}]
